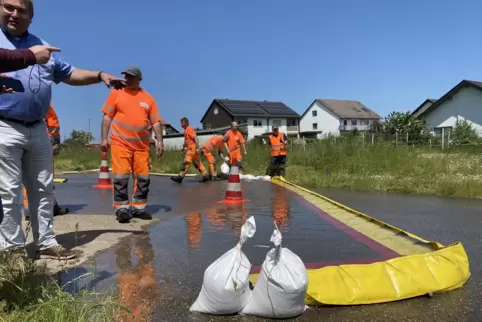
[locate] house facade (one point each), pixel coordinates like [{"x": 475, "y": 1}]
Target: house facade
[
  {"x": 463, "y": 102},
  {"x": 259, "y": 116},
  {"x": 331, "y": 117},
  {"x": 167, "y": 129}
]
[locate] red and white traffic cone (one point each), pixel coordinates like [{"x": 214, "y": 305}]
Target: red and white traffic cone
[
  {"x": 103, "y": 181},
  {"x": 234, "y": 193}
]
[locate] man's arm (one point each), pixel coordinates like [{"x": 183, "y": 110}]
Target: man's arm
[
  {"x": 106, "y": 122},
  {"x": 157, "y": 127},
  {"x": 65, "y": 72},
  {"x": 109, "y": 109},
  {"x": 16, "y": 59}
]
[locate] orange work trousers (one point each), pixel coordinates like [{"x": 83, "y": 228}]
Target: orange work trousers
[
  {"x": 236, "y": 154},
  {"x": 192, "y": 156},
  {"x": 211, "y": 161},
  {"x": 127, "y": 162}
]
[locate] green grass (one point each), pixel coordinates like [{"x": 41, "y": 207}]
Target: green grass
[
  {"x": 29, "y": 293},
  {"x": 346, "y": 163}
]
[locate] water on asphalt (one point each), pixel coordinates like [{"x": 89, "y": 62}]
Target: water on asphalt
[{"x": 164, "y": 267}]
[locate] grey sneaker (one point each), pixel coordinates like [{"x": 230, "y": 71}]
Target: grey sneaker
[{"x": 57, "y": 252}]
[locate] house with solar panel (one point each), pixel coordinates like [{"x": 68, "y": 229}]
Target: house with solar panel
[
  {"x": 331, "y": 117},
  {"x": 257, "y": 117}
]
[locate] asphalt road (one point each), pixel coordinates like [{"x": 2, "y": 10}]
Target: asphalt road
[{"x": 195, "y": 230}]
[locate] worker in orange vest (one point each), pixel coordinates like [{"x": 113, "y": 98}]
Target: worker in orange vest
[
  {"x": 131, "y": 111},
  {"x": 53, "y": 129},
  {"x": 278, "y": 142},
  {"x": 191, "y": 144},
  {"x": 213, "y": 144},
  {"x": 233, "y": 140}
]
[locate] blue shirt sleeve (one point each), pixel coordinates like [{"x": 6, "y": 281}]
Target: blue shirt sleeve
[
  {"x": 62, "y": 69},
  {"x": 285, "y": 137}
]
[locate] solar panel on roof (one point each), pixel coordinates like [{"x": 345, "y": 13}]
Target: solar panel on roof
[
  {"x": 243, "y": 107},
  {"x": 277, "y": 108}
]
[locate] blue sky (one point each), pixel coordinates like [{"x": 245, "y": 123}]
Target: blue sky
[{"x": 390, "y": 55}]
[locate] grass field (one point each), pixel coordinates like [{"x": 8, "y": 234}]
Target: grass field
[
  {"x": 29, "y": 294},
  {"x": 348, "y": 164}
]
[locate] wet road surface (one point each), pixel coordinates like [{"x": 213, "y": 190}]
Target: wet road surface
[{"x": 164, "y": 268}]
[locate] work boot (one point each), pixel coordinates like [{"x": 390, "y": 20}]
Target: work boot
[
  {"x": 215, "y": 178},
  {"x": 205, "y": 178},
  {"x": 123, "y": 216},
  {"x": 57, "y": 252},
  {"x": 59, "y": 211},
  {"x": 141, "y": 214},
  {"x": 177, "y": 179}
]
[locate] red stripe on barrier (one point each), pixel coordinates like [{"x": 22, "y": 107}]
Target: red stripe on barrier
[{"x": 234, "y": 179}]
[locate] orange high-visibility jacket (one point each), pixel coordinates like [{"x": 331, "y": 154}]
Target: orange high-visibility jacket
[{"x": 53, "y": 126}]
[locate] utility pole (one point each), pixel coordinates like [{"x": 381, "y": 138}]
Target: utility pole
[{"x": 89, "y": 124}]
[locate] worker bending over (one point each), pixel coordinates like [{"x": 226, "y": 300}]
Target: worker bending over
[
  {"x": 131, "y": 111},
  {"x": 53, "y": 129},
  {"x": 278, "y": 142},
  {"x": 233, "y": 139},
  {"x": 191, "y": 144},
  {"x": 215, "y": 143}
]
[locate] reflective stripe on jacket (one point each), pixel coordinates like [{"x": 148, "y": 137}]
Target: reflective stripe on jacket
[{"x": 214, "y": 143}]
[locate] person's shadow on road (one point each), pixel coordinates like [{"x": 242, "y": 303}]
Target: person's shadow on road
[{"x": 83, "y": 237}]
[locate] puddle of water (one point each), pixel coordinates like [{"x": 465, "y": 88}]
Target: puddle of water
[{"x": 164, "y": 268}]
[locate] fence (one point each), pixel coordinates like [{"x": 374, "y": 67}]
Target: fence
[{"x": 442, "y": 140}]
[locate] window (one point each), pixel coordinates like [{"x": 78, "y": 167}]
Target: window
[
  {"x": 314, "y": 113},
  {"x": 315, "y": 126},
  {"x": 257, "y": 123},
  {"x": 276, "y": 122},
  {"x": 364, "y": 122},
  {"x": 345, "y": 122},
  {"x": 353, "y": 122},
  {"x": 216, "y": 111}
]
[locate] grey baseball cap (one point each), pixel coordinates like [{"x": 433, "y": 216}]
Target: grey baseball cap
[{"x": 133, "y": 71}]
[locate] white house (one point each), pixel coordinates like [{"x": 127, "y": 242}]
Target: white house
[
  {"x": 259, "y": 116},
  {"x": 326, "y": 116},
  {"x": 463, "y": 102}
]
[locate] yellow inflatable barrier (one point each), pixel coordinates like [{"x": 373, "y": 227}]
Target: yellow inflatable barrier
[
  {"x": 60, "y": 180},
  {"x": 424, "y": 267}
]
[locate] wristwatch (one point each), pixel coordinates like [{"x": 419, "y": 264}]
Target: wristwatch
[{"x": 99, "y": 75}]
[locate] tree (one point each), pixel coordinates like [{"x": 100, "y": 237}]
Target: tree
[
  {"x": 463, "y": 133},
  {"x": 403, "y": 124},
  {"x": 79, "y": 138}
]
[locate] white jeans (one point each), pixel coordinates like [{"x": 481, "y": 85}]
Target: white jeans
[{"x": 26, "y": 156}]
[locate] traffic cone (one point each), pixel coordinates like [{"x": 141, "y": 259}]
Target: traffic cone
[
  {"x": 103, "y": 181},
  {"x": 233, "y": 193}
]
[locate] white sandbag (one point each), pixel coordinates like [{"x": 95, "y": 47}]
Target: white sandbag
[
  {"x": 225, "y": 168},
  {"x": 254, "y": 178},
  {"x": 225, "y": 288},
  {"x": 281, "y": 287}
]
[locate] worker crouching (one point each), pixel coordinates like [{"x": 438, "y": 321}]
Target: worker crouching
[
  {"x": 191, "y": 144},
  {"x": 213, "y": 144},
  {"x": 278, "y": 142},
  {"x": 131, "y": 111}
]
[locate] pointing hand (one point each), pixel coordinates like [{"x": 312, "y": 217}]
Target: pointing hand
[{"x": 43, "y": 53}]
